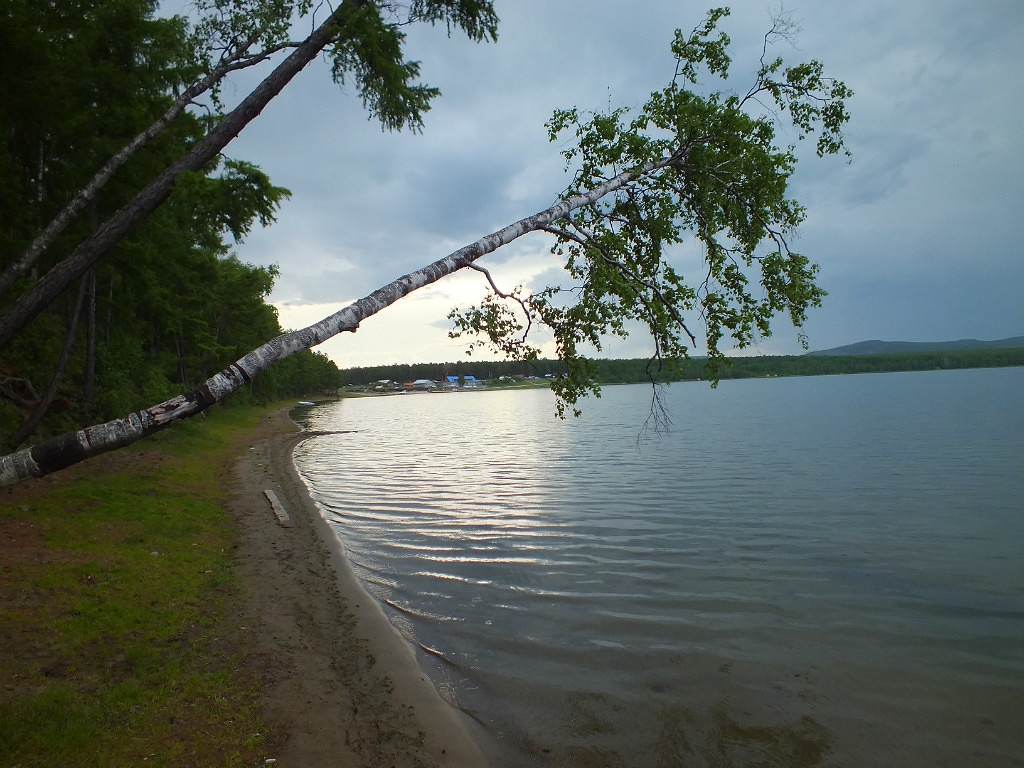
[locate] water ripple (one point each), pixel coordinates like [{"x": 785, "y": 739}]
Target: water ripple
[{"x": 837, "y": 556}]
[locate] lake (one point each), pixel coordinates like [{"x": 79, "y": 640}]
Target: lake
[{"x": 820, "y": 571}]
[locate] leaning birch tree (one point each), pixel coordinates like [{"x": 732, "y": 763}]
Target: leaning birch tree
[
  {"x": 685, "y": 164},
  {"x": 240, "y": 42},
  {"x": 363, "y": 39}
]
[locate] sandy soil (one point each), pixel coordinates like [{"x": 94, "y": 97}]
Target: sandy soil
[{"x": 338, "y": 680}]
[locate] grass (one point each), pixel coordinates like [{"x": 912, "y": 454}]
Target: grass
[{"x": 120, "y": 639}]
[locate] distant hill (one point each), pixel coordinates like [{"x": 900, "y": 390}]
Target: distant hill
[{"x": 876, "y": 347}]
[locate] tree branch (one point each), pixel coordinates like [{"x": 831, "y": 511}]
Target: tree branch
[
  {"x": 498, "y": 292},
  {"x": 587, "y": 240}
]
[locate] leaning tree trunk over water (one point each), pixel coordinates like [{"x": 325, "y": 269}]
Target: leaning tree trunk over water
[{"x": 63, "y": 451}]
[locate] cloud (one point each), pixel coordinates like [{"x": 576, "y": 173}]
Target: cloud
[{"x": 920, "y": 232}]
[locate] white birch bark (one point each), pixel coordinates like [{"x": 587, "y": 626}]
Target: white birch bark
[
  {"x": 240, "y": 60},
  {"x": 39, "y": 296},
  {"x": 73, "y": 447}
]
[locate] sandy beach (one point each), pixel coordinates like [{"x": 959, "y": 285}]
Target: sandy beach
[{"x": 338, "y": 680}]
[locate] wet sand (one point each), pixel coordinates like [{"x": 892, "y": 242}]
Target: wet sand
[{"x": 338, "y": 680}]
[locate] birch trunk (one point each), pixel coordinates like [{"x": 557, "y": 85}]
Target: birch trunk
[
  {"x": 88, "y": 253},
  {"x": 88, "y": 193},
  {"x": 73, "y": 447}
]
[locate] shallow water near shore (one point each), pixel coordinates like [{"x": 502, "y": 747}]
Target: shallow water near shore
[{"x": 801, "y": 572}]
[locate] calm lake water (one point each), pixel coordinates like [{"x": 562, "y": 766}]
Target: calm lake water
[{"x": 816, "y": 571}]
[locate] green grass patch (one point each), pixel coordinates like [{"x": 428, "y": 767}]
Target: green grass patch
[{"x": 119, "y": 625}]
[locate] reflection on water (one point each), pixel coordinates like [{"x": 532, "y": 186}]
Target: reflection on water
[{"x": 803, "y": 572}]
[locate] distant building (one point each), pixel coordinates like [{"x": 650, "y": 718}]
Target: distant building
[
  {"x": 469, "y": 382},
  {"x": 424, "y": 384}
]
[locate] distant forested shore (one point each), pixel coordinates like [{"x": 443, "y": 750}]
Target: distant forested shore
[{"x": 642, "y": 369}]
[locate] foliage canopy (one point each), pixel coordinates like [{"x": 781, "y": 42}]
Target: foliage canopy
[{"x": 707, "y": 166}]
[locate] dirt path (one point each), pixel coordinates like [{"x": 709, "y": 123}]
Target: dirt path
[{"x": 337, "y": 679}]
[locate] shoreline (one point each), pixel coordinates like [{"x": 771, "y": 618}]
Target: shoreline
[{"x": 338, "y": 680}]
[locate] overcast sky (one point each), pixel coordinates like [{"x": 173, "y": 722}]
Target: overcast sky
[{"x": 918, "y": 238}]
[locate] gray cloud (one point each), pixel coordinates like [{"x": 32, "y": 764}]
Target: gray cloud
[{"x": 919, "y": 237}]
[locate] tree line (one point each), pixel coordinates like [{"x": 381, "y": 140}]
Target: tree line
[{"x": 636, "y": 370}]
